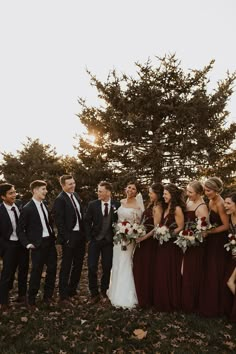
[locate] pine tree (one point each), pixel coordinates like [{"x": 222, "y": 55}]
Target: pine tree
[{"x": 163, "y": 124}]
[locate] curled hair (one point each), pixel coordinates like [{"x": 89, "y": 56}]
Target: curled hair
[
  {"x": 197, "y": 187},
  {"x": 158, "y": 189},
  {"x": 215, "y": 184},
  {"x": 177, "y": 197}
]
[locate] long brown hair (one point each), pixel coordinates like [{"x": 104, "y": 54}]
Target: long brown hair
[{"x": 177, "y": 197}]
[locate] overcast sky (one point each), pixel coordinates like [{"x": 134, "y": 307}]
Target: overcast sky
[{"x": 47, "y": 45}]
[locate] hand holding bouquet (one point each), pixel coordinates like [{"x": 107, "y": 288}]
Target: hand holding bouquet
[
  {"x": 231, "y": 245},
  {"x": 125, "y": 233},
  {"x": 162, "y": 233}
]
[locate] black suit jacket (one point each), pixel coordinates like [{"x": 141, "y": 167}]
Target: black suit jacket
[
  {"x": 5, "y": 227},
  {"x": 30, "y": 229},
  {"x": 94, "y": 217},
  {"x": 65, "y": 217}
]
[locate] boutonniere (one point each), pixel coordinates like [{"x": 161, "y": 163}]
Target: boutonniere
[{"x": 114, "y": 208}]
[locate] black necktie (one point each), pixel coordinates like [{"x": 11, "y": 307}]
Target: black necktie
[
  {"x": 46, "y": 220},
  {"x": 15, "y": 214},
  {"x": 76, "y": 210},
  {"x": 106, "y": 209}
]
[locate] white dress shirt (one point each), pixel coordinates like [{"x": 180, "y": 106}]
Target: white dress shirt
[
  {"x": 38, "y": 205},
  {"x": 76, "y": 227},
  {"x": 11, "y": 214}
]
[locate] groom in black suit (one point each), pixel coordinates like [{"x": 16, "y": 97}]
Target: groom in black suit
[
  {"x": 99, "y": 218},
  {"x": 69, "y": 221},
  {"x": 13, "y": 253}
]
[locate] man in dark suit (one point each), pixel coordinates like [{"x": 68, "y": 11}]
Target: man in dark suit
[
  {"x": 35, "y": 231},
  {"x": 100, "y": 216},
  {"x": 69, "y": 221},
  {"x": 13, "y": 253}
]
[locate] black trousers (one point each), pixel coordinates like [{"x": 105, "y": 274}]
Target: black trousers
[
  {"x": 46, "y": 254},
  {"x": 14, "y": 255},
  {"x": 105, "y": 249},
  {"x": 71, "y": 265}
]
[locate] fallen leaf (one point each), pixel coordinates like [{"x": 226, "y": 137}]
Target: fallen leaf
[
  {"x": 140, "y": 334},
  {"x": 24, "y": 319}
]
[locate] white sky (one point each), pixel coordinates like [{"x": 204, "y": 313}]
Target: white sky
[{"x": 46, "y": 46}]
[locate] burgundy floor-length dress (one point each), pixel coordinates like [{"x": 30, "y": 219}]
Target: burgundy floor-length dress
[
  {"x": 143, "y": 264},
  {"x": 214, "y": 290},
  {"x": 231, "y": 308},
  {"x": 192, "y": 272},
  {"x": 167, "y": 273}
]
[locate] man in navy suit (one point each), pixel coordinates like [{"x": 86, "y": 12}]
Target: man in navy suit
[
  {"x": 69, "y": 221},
  {"x": 13, "y": 253},
  {"x": 100, "y": 216},
  {"x": 35, "y": 231}
]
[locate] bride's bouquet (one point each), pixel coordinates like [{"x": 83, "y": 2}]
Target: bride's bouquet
[
  {"x": 125, "y": 232},
  {"x": 162, "y": 233},
  {"x": 231, "y": 245},
  {"x": 192, "y": 235}
]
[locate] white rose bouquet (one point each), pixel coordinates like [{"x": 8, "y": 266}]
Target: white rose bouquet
[
  {"x": 231, "y": 245},
  {"x": 162, "y": 233},
  {"x": 125, "y": 232}
]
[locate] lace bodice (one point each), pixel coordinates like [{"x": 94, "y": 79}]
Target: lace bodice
[{"x": 130, "y": 214}]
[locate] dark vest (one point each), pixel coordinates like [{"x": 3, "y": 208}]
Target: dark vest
[{"x": 106, "y": 230}]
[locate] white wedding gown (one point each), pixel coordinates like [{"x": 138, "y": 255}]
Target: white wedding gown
[{"x": 122, "y": 291}]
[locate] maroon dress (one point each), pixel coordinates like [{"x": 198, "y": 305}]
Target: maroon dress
[
  {"x": 231, "y": 308},
  {"x": 192, "y": 272},
  {"x": 167, "y": 273},
  {"x": 143, "y": 264},
  {"x": 216, "y": 259}
]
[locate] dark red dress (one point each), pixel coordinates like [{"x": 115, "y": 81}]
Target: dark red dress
[
  {"x": 192, "y": 272},
  {"x": 143, "y": 264},
  {"x": 167, "y": 273},
  {"x": 231, "y": 308},
  {"x": 216, "y": 259}
]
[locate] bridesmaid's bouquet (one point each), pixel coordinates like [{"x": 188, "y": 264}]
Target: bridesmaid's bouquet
[
  {"x": 231, "y": 245},
  {"x": 162, "y": 233},
  {"x": 192, "y": 235},
  {"x": 125, "y": 233}
]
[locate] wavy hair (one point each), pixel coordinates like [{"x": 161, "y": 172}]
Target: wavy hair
[
  {"x": 177, "y": 197},
  {"x": 158, "y": 189}
]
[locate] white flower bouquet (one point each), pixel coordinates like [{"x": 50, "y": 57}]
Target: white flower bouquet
[
  {"x": 192, "y": 235},
  {"x": 231, "y": 245},
  {"x": 125, "y": 232},
  {"x": 162, "y": 233}
]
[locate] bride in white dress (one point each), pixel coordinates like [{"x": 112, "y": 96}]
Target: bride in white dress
[{"x": 122, "y": 291}]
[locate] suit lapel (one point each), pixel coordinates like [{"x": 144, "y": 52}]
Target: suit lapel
[
  {"x": 68, "y": 201},
  {"x": 35, "y": 210},
  {"x": 6, "y": 216}
]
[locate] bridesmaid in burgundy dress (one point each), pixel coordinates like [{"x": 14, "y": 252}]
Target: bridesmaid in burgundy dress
[
  {"x": 145, "y": 250},
  {"x": 230, "y": 208},
  {"x": 167, "y": 267},
  {"x": 193, "y": 257},
  {"x": 213, "y": 291}
]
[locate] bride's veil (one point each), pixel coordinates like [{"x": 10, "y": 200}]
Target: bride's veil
[{"x": 139, "y": 199}]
